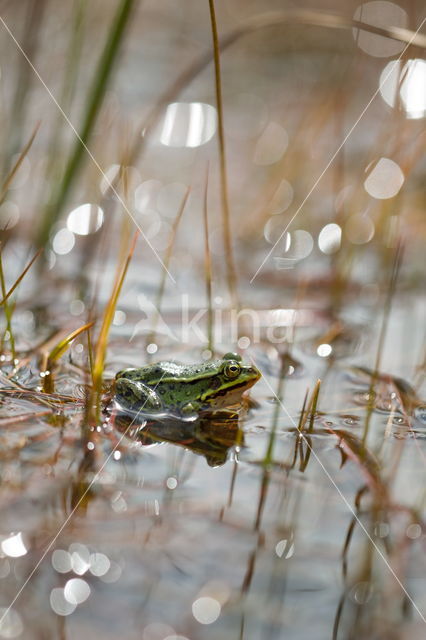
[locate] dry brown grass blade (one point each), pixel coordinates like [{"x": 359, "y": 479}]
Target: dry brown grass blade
[
  {"x": 13, "y": 171},
  {"x": 23, "y": 274}
]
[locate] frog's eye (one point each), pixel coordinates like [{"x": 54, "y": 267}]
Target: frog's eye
[
  {"x": 232, "y": 356},
  {"x": 231, "y": 369}
]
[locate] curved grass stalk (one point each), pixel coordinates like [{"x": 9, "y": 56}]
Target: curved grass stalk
[
  {"x": 265, "y": 21},
  {"x": 64, "y": 344},
  {"x": 58, "y": 350}
]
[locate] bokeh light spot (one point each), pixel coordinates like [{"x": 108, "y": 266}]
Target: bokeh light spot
[
  {"x": 385, "y": 180},
  {"x": 14, "y": 546},
  {"x": 379, "y": 13},
  {"x": 61, "y": 561},
  {"x": 324, "y": 350},
  {"x": 409, "y": 79},
  {"x": 206, "y": 610},
  {"x": 85, "y": 219},
  {"x": 188, "y": 124},
  {"x": 330, "y": 238},
  {"x": 63, "y": 241}
]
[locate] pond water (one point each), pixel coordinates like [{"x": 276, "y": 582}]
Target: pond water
[{"x": 155, "y": 529}]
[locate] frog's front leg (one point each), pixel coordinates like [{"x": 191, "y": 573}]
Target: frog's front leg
[
  {"x": 136, "y": 395},
  {"x": 191, "y": 407}
]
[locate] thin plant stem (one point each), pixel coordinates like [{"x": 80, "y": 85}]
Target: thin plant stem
[
  {"x": 9, "y": 179},
  {"x": 208, "y": 269},
  {"x": 230, "y": 263},
  {"x": 7, "y": 295},
  {"x": 382, "y": 337},
  {"x": 166, "y": 262}
]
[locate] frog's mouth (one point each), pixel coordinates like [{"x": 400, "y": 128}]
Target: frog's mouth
[{"x": 233, "y": 391}]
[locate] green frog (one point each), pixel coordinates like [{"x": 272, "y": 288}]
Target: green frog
[{"x": 169, "y": 387}]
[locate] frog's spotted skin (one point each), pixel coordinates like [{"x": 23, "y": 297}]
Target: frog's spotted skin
[{"x": 178, "y": 388}]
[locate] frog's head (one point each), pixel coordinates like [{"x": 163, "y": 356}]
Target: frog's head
[{"x": 229, "y": 379}]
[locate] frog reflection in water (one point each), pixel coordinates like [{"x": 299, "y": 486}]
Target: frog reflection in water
[
  {"x": 210, "y": 435},
  {"x": 177, "y": 389}
]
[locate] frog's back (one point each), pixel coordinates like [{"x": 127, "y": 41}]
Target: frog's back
[{"x": 158, "y": 372}]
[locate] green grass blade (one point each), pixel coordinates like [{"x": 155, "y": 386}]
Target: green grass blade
[{"x": 93, "y": 105}]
